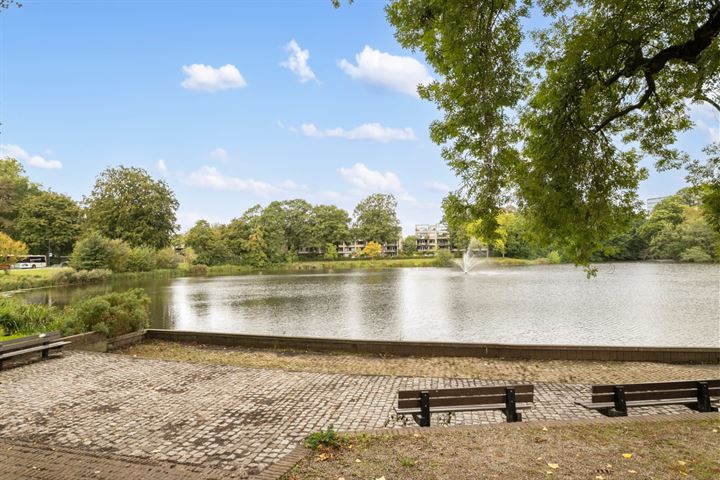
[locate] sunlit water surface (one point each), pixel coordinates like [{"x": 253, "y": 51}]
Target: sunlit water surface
[{"x": 636, "y": 304}]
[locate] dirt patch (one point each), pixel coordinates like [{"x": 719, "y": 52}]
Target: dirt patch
[
  {"x": 578, "y": 372},
  {"x": 659, "y": 450}
]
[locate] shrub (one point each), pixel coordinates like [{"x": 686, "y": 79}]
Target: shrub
[
  {"x": 331, "y": 252},
  {"x": 167, "y": 259},
  {"x": 90, "y": 252},
  {"x": 98, "y": 275},
  {"x": 141, "y": 259},
  {"x": 63, "y": 277},
  {"x": 21, "y": 318},
  {"x": 554, "y": 257},
  {"x": 443, "y": 258},
  {"x": 69, "y": 276},
  {"x": 112, "y": 314},
  {"x": 324, "y": 438},
  {"x": 119, "y": 255},
  {"x": 198, "y": 270},
  {"x": 695, "y": 254}
]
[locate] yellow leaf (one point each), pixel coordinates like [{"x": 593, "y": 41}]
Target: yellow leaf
[
  {"x": 683, "y": 474},
  {"x": 380, "y": 478},
  {"x": 632, "y": 471},
  {"x": 357, "y": 460},
  {"x": 609, "y": 465},
  {"x": 681, "y": 463},
  {"x": 627, "y": 455},
  {"x": 715, "y": 430},
  {"x": 599, "y": 477},
  {"x": 416, "y": 435},
  {"x": 544, "y": 429},
  {"x": 553, "y": 465}
]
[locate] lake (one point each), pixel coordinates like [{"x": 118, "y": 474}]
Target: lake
[{"x": 634, "y": 304}]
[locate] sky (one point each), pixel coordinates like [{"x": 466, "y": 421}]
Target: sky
[{"x": 233, "y": 104}]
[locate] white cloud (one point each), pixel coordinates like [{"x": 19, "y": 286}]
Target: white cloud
[
  {"x": 402, "y": 74},
  {"x": 160, "y": 164},
  {"x": 366, "y": 131},
  {"x": 437, "y": 186},
  {"x": 220, "y": 154},
  {"x": 362, "y": 177},
  {"x": 209, "y": 177},
  {"x": 210, "y": 79},
  {"x": 14, "y": 151},
  {"x": 291, "y": 185},
  {"x": 706, "y": 119},
  {"x": 297, "y": 62}
]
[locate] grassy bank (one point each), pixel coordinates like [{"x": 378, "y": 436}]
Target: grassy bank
[{"x": 666, "y": 449}]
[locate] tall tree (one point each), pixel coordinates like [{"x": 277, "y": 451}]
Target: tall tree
[
  {"x": 331, "y": 224},
  {"x": 127, "y": 203},
  {"x": 375, "y": 219},
  {"x": 545, "y": 126},
  {"x": 49, "y": 222},
  {"x": 11, "y": 250},
  {"x": 15, "y": 187}
]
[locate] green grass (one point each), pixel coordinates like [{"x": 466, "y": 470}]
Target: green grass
[{"x": 30, "y": 278}]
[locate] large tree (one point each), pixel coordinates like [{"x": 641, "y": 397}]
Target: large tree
[
  {"x": 375, "y": 219},
  {"x": 49, "y": 222},
  {"x": 331, "y": 224},
  {"x": 127, "y": 203},
  {"x": 563, "y": 128},
  {"x": 15, "y": 188}
]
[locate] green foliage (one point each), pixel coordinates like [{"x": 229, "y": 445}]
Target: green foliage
[
  {"x": 562, "y": 128},
  {"x": 167, "y": 259},
  {"x": 69, "y": 276},
  {"x": 375, "y": 219},
  {"x": 49, "y": 222},
  {"x": 128, "y": 204},
  {"x": 92, "y": 251},
  {"x": 443, "y": 258},
  {"x": 112, "y": 314},
  {"x": 554, "y": 258},
  {"x": 209, "y": 244},
  {"x": 695, "y": 254},
  {"x": 410, "y": 245},
  {"x": 324, "y": 439},
  {"x": 15, "y": 188},
  {"x": 331, "y": 252},
  {"x": 330, "y": 225},
  {"x": 705, "y": 177},
  {"x": 255, "y": 249},
  {"x": 198, "y": 270},
  {"x": 141, "y": 259},
  {"x": 21, "y": 318}
]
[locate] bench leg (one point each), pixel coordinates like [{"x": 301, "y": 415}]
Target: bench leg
[
  {"x": 620, "y": 408},
  {"x": 511, "y": 413},
  {"x": 424, "y": 418},
  {"x": 703, "y": 399}
]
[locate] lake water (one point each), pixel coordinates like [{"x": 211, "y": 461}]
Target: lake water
[{"x": 635, "y": 304}]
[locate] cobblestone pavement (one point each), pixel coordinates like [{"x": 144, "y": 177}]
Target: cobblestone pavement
[{"x": 229, "y": 418}]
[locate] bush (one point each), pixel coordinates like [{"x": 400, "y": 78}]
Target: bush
[
  {"x": 90, "y": 252},
  {"x": 324, "y": 438},
  {"x": 167, "y": 259},
  {"x": 69, "y": 276},
  {"x": 554, "y": 258},
  {"x": 119, "y": 255},
  {"x": 198, "y": 270},
  {"x": 443, "y": 258},
  {"x": 695, "y": 254},
  {"x": 112, "y": 314},
  {"x": 21, "y": 318},
  {"x": 331, "y": 252},
  {"x": 141, "y": 259}
]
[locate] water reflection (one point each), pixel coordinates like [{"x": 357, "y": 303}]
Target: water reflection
[{"x": 627, "y": 304}]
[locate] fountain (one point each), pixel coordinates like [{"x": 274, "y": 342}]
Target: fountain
[{"x": 468, "y": 260}]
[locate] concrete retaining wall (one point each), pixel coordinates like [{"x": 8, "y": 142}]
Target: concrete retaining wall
[
  {"x": 442, "y": 349},
  {"x": 89, "y": 342}
]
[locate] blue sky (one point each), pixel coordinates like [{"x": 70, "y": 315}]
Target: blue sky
[{"x": 214, "y": 97}]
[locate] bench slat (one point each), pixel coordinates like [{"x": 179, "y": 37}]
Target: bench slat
[
  {"x": 40, "y": 348},
  {"x": 31, "y": 341},
  {"x": 643, "y": 387},
  {"x": 465, "y": 408},
  {"x": 465, "y": 391},
  {"x": 641, "y": 403},
  {"x": 459, "y": 401},
  {"x": 654, "y": 395}
]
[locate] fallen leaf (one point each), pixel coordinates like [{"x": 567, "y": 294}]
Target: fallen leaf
[
  {"x": 599, "y": 477},
  {"x": 632, "y": 471},
  {"x": 357, "y": 460},
  {"x": 681, "y": 462},
  {"x": 715, "y": 430},
  {"x": 545, "y": 429},
  {"x": 380, "y": 478},
  {"x": 683, "y": 474},
  {"x": 609, "y": 465},
  {"x": 416, "y": 435},
  {"x": 553, "y": 465},
  {"x": 627, "y": 455}
]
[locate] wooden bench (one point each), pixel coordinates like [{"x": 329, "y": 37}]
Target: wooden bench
[
  {"x": 42, "y": 343},
  {"x": 421, "y": 403},
  {"x": 614, "y": 400}
]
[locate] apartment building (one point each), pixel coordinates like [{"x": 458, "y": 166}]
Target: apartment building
[
  {"x": 355, "y": 248},
  {"x": 432, "y": 237},
  {"x": 651, "y": 202}
]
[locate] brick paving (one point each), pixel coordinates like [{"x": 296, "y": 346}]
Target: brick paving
[{"x": 236, "y": 421}]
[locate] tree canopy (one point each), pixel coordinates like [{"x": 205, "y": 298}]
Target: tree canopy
[
  {"x": 561, "y": 130},
  {"x": 128, "y": 204},
  {"x": 49, "y": 222},
  {"x": 375, "y": 219}
]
